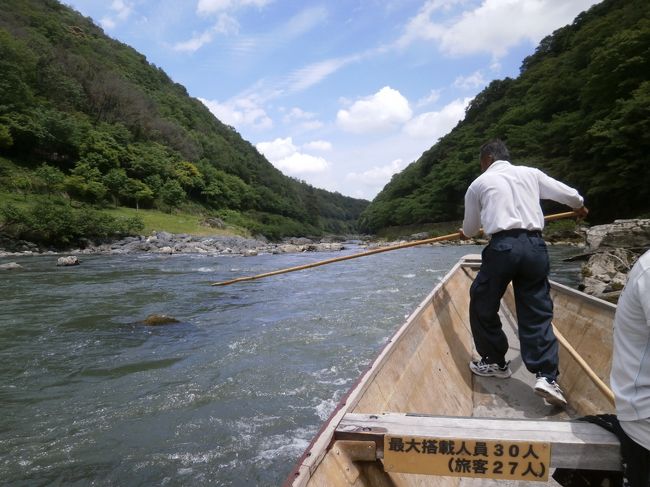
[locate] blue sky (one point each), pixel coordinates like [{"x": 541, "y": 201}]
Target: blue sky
[{"x": 339, "y": 93}]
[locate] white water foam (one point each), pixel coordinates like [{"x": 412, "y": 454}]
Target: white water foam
[
  {"x": 325, "y": 408},
  {"x": 289, "y": 445},
  {"x": 391, "y": 290}
]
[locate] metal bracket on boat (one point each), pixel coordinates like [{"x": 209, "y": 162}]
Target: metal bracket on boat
[
  {"x": 347, "y": 452},
  {"x": 361, "y": 434}
]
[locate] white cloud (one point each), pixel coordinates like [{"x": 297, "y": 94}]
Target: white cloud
[
  {"x": 433, "y": 125},
  {"x": 304, "y": 121},
  {"x": 421, "y": 26},
  {"x": 225, "y": 25},
  {"x": 470, "y": 82},
  {"x": 195, "y": 43},
  {"x": 312, "y": 74},
  {"x": 298, "y": 114},
  {"x": 284, "y": 155},
  {"x": 303, "y": 22},
  {"x": 309, "y": 125},
  {"x": 432, "y": 97},
  {"x": 240, "y": 112},
  {"x": 213, "y": 6},
  {"x": 377, "y": 113},
  {"x": 107, "y": 23},
  {"x": 277, "y": 149},
  {"x": 493, "y": 27},
  {"x": 377, "y": 175},
  {"x": 300, "y": 163},
  {"x": 228, "y": 25},
  {"x": 122, "y": 9},
  {"x": 319, "y": 145}
]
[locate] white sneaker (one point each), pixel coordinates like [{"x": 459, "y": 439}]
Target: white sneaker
[
  {"x": 550, "y": 391},
  {"x": 484, "y": 369}
]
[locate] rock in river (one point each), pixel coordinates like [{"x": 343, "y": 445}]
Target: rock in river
[
  {"x": 157, "y": 320},
  {"x": 69, "y": 260}
]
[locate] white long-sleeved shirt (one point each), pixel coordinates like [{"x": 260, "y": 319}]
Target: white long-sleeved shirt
[
  {"x": 506, "y": 197},
  {"x": 630, "y": 376}
]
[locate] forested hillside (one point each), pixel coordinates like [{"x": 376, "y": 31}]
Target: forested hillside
[
  {"x": 87, "y": 121},
  {"x": 579, "y": 110}
]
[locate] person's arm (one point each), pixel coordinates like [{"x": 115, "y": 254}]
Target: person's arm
[
  {"x": 552, "y": 189},
  {"x": 472, "y": 219},
  {"x": 643, "y": 294}
]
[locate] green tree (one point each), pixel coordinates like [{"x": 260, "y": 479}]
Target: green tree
[
  {"x": 172, "y": 194},
  {"x": 22, "y": 183},
  {"x": 188, "y": 176},
  {"x": 102, "y": 151},
  {"x": 6, "y": 141},
  {"x": 17, "y": 65},
  {"x": 135, "y": 190},
  {"x": 12, "y": 216},
  {"x": 228, "y": 191},
  {"x": 115, "y": 181},
  {"x": 143, "y": 160},
  {"x": 49, "y": 179},
  {"x": 85, "y": 183}
]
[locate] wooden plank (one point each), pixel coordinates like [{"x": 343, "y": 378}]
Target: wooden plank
[
  {"x": 582, "y": 297},
  {"x": 574, "y": 444}
]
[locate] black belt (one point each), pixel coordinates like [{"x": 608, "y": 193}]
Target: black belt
[{"x": 514, "y": 232}]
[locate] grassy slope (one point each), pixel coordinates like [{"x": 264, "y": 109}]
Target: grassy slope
[
  {"x": 154, "y": 220},
  {"x": 177, "y": 222}
]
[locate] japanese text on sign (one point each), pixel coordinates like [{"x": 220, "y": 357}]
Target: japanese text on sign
[{"x": 511, "y": 460}]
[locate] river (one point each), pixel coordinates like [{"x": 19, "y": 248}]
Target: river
[{"x": 231, "y": 395}]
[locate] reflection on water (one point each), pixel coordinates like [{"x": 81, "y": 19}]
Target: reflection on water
[{"x": 231, "y": 395}]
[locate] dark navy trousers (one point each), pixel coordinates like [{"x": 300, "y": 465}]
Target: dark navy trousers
[{"x": 520, "y": 257}]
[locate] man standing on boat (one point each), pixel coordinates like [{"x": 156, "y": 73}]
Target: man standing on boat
[{"x": 505, "y": 200}]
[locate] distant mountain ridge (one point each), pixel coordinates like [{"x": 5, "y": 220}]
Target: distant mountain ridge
[
  {"x": 111, "y": 128},
  {"x": 579, "y": 110}
]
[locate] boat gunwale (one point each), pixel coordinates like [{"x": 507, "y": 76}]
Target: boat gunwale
[
  {"x": 353, "y": 395},
  {"x": 583, "y": 296}
]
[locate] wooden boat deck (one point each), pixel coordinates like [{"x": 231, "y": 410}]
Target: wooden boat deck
[
  {"x": 424, "y": 371},
  {"x": 514, "y": 397}
]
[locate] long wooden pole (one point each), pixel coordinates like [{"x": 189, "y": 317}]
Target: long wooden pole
[
  {"x": 451, "y": 236},
  {"x": 339, "y": 259},
  {"x": 585, "y": 366}
]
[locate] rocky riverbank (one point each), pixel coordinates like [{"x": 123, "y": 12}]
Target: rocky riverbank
[
  {"x": 612, "y": 250},
  {"x": 168, "y": 243}
]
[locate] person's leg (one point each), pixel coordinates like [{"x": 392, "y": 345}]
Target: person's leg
[
  {"x": 636, "y": 463},
  {"x": 539, "y": 346},
  {"x": 497, "y": 268}
]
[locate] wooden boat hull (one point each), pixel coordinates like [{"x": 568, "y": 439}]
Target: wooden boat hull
[{"x": 424, "y": 370}]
